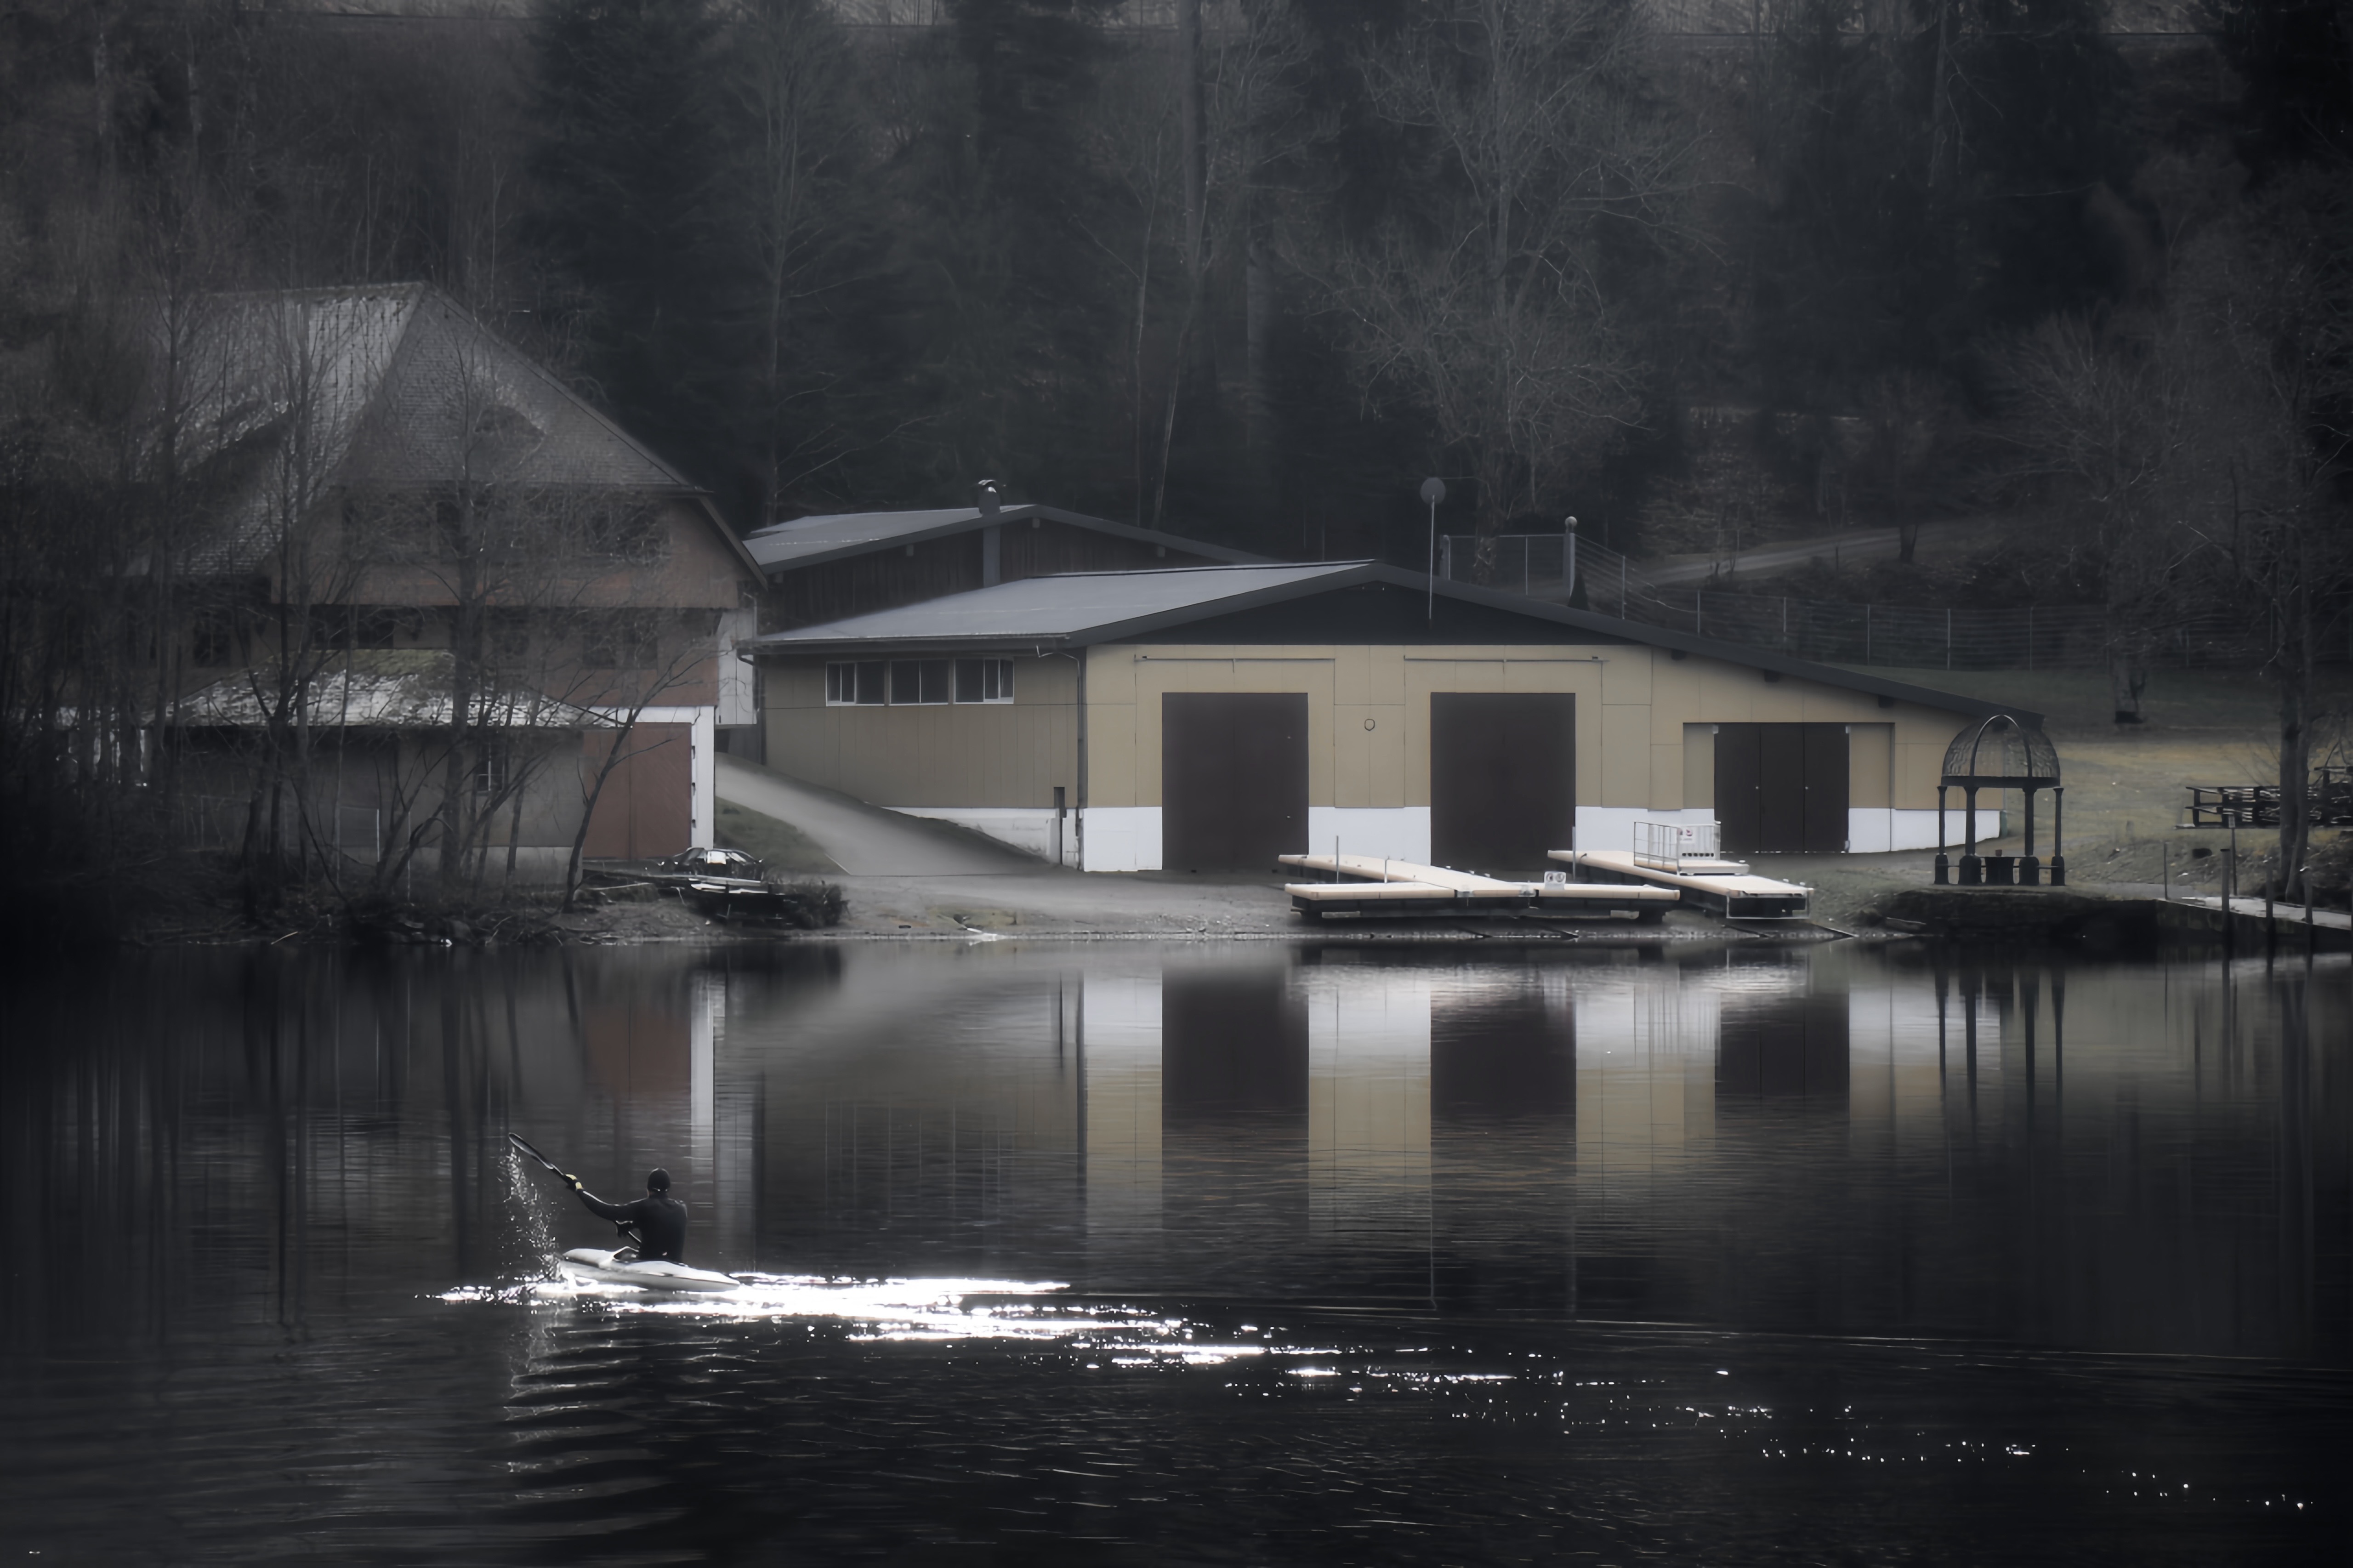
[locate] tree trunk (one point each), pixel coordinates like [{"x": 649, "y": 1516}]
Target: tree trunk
[
  {"x": 2126, "y": 678},
  {"x": 612, "y": 759},
  {"x": 2295, "y": 744},
  {"x": 1258, "y": 324},
  {"x": 1496, "y": 473},
  {"x": 1195, "y": 131}
]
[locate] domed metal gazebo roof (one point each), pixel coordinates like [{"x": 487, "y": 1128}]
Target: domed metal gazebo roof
[{"x": 1998, "y": 753}]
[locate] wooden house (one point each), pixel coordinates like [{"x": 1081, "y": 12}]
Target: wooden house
[{"x": 424, "y": 569}]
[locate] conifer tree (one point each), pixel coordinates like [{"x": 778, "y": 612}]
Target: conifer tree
[{"x": 627, "y": 163}]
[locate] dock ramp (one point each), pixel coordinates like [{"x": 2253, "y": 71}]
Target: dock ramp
[
  {"x": 1720, "y": 887},
  {"x": 1369, "y": 885}
]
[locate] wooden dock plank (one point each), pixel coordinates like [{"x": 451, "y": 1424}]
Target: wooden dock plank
[
  {"x": 1380, "y": 886},
  {"x": 1744, "y": 897}
]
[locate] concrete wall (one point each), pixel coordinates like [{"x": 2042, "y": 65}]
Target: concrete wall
[{"x": 1644, "y": 740}]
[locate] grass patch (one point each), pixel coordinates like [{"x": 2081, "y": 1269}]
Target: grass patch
[
  {"x": 2238, "y": 700},
  {"x": 778, "y": 843}
]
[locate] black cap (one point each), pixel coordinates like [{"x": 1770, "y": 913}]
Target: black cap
[{"x": 657, "y": 1180}]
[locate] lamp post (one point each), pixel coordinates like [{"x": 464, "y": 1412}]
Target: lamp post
[
  {"x": 1434, "y": 490},
  {"x": 1568, "y": 589}
]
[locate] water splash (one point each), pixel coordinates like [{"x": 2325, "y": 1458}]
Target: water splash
[
  {"x": 903, "y": 1309},
  {"x": 533, "y": 1221}
]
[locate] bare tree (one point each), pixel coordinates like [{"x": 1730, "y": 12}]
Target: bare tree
[
  {"x": 793, "y": 76},
  {"x": 1483, "y": 299},
  {"x": 2271, "y": 299},
  {"x": 677, "y": 665},
  {"x": 2201, "y": 452},
  {"x": 2113, "y": 417}
]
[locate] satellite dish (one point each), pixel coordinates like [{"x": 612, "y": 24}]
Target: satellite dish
[{"x": 1434, "y": 490}]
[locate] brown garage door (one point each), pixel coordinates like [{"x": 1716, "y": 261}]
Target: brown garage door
[
  {"x": 1233, "y": 779},
  {"x": 1502, "y": 779},
  {"x": 1231, "y": 1042},
  {"x": 1781, "y": 787},
  {"x": 1783, "y": 1045},
  {"x": 647, "y": 808}
]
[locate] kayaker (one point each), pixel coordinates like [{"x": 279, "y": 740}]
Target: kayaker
[{"x": 658, "y": 1218}]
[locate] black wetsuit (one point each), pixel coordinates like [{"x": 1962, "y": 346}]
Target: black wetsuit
[{"x": 659, "y": 1219}]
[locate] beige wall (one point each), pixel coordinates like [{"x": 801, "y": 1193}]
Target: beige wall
[
  {"x": 1641, "y": 740},
  {"x": 1633, "y": 706},
  {"x": 1003, "y": 754}
]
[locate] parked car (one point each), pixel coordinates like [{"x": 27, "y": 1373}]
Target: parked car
[{"x": 731, "y": 864}]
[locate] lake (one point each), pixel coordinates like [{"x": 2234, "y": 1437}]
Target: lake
[{"x": 1221, "y": 1253}]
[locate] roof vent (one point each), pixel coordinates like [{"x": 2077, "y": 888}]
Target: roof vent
[{"x": 988, "y": 501}]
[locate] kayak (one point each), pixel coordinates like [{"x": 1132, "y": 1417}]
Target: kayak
[{"x": 653, "y": 1274}]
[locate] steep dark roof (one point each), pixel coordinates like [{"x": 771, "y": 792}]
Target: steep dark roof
[
  {"x": 1251, "y": 603},
  {"x": 394, "y": 387},
  {"x": 811, "y": 541}
]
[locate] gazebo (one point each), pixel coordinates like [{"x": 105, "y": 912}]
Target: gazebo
[{"x": 2000, "y": 753}]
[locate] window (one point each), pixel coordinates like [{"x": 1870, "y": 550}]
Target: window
[
  {"x": 509, "y": 633},
  {"x": 628, "y": 533},
  {"x": 917, "y": 682},
  {"x": 855, "y": 685},
  {"x": 901, "y": 683},
  {"x": 361, "y": 625},
  {"x": 622, "y": 640},
  {"x": 491, "y": 771},
  {"x": 214, "y": 644},
  {"x": 984, "y": 680}
]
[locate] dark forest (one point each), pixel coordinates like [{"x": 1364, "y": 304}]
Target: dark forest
[{"x": 1250, "y": 270}]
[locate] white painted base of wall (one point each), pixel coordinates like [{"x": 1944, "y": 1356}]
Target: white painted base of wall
[
  {"x": 1394, "y": 832},
  {"x": 1127, "y": 838},
  {"x": 1122, "y": 838},
  {"x": 1875, "y": 830},
  {"x": 1028, "y": 828},
  {"x": 1613, "y": 827}
]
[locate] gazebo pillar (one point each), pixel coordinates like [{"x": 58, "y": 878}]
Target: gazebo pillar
[
  {"x": 1944, "y": 861},
  {"x": 2058, "y": 845},
  {"x": 1972, "y": 868},
  {"x": 2028, "y": 867}
]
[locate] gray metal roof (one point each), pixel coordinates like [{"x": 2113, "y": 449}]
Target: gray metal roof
[
  {"x": 1081, "y": 609},
  {"x": 1075, "y": 608},
  {"x": 809, "y": 541}
]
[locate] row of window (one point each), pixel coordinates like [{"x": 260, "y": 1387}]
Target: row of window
[{"x": 918, "y": 682}]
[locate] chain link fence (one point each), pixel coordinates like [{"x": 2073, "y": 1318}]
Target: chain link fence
[{"x": 2036, "y": 636}]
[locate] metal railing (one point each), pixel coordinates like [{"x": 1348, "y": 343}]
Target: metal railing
[
  {"x": 2328, "y": 802},
  {"x": 1665, "y": 845}
]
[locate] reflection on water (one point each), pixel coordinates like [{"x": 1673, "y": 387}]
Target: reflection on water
[{"x": 1318, "y": 1254}]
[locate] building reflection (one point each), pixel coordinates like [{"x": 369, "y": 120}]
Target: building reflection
[{"x": 2146, "y": 1157}]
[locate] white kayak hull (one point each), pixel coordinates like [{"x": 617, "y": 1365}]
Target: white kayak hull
[{"x": 650, "y": 1275}]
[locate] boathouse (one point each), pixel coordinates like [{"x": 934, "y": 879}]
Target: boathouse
[
  {"x": 835, "y": 566},
  {"x": 1216, "y": 717}
]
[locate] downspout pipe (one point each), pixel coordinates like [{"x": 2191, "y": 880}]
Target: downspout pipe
[{"x": 1079, "y": 660}]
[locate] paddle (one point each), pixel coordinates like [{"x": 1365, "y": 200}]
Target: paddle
[{"x": 631, "y": 1237}]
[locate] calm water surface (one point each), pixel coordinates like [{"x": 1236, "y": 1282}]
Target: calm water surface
[{"x": 1121, "y": 1254}]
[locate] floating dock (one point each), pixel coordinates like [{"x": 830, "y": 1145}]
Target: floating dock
[
  {"x": 1368, "y": 885},
  {"x": 1721, "y": 886}
]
